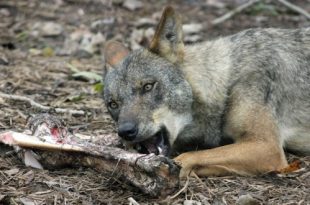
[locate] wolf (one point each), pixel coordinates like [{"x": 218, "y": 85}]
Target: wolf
[{"x": 231, "y": 105}]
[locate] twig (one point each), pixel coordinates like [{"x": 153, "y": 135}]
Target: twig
[
  {"x": 295, "y": 8},
  {"x": 181, "y": 190},
  {"x": 39, "y": 106},
  {"x": 115, "y": 168},
  {"x": 233, "y": 12},
  {"x": 203, "y": 184},
  {"x": 55, "y": 199},
  {"x": 199, "y": 180}
]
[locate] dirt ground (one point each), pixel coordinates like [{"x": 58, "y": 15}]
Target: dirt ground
[{"x": 43, "y": 43}]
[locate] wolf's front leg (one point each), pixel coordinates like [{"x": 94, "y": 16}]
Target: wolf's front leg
[
  {"x": 257, "y": 149},
  {"x": 244, "y": 158}
]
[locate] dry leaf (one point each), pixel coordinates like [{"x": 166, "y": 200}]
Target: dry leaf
[
  {"x": 11, "y": 171},
  {"x": 295, "y": 165}
]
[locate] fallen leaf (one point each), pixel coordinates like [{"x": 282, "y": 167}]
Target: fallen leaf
[
  {"x": 12, "y": 171},
  {"x": 74, "y": 98},
  {"x": 145, "y": 22},
  {"x": 102, "y": 22},
  {"x": 98, "y": 87},
  {"x": 73, "y": 68},
  {"x": 27, "y": 201},
  {"x": 51, "y": 29},
  {"x": 192, "y": 28},
  {"x": 22, "y": 36},
  {"x": 88, "y": 76},
  {"x": 2, "y": 197},
  {"x": 295, "y": 165},
  {"x": 48, "y": 52},
  {"x": 35, "y": 52},
  {"x": 133, "y": 4},
  {"x": 3, "y": 59},
  {"x": 247, "y": 199},
  {"x": 31, "y": 161},
  {"x": 192, "y": 38},
  {"x": 191, "y": 202},
  {"x": 215, "y": 4}
]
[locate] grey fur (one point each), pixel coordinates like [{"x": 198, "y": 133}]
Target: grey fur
[{"x": 271, "y": 67}]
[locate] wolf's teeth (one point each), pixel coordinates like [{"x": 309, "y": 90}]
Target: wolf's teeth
[{"x": 160, "y": 150}]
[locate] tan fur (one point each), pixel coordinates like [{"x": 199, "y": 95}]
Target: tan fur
[
  {"x": 200, "y": 78},
  {"x": 115, "y": 52},
  {"x": 162, "y": 46},
  {"x": 256, "y": 149}
]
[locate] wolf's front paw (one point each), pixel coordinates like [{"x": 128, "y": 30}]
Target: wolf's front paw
[{"x": 187, "y": 162}]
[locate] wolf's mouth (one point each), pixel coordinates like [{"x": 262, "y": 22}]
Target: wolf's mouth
[{"x": 157, "y": 144}]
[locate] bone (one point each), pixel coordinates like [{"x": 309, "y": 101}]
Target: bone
[{"x": 152, "y": 174}]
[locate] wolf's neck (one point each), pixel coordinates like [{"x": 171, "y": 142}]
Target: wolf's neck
[{"x": 207, "y": 68}]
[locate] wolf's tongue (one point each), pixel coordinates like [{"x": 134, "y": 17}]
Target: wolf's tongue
[
  {"x": 151, "y": 146},
  {"x": 156, "y": 145}
]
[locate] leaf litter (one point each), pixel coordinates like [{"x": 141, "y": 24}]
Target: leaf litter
[{"x": 36, "y": 66}]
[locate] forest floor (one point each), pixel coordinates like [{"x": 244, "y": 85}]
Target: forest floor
[{"x": 44, "y": 48}]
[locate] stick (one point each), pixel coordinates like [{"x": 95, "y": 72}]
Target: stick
[
  {"x": 39, "y": 106},
  {"x": 233, "y": 12},
  {"x": 295, "y": 8},
  {"x": 181, "y": 190}
]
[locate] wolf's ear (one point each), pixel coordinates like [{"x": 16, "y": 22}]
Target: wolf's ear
[
  {"x": 168, "y": 39},
  {"x": 114, "y": 52}
]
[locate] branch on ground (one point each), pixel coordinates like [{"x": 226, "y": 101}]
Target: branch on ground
[{"x": 40, "y": 106}]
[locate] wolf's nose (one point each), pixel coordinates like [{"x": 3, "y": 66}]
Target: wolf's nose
[{"x": 128, "y": 131}]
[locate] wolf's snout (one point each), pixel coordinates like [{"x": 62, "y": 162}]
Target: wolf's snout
[{"x": 128, "y": 130}]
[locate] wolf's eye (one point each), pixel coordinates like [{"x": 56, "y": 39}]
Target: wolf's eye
[
  {"x": 147, "y": 87},
  {"x": 113, "y": 105}
]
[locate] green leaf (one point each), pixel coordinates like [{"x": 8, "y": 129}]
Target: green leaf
[
  {"x": 98, "y": 87},
  {"x": 35, "y": 52},
  {"x": 74, "y": 98},
  {"x": 88, "y": 76},
  {"x": 22, "y": 36},
  {"x": 72, "y": 68},
  {"x": 48, "y": 52},
  {"x": 263, "y": 8}
]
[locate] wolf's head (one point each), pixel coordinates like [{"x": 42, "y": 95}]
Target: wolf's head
[{"x": 145, "y": 91}]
